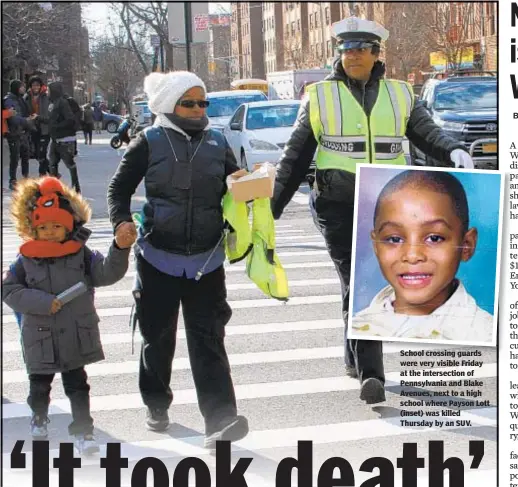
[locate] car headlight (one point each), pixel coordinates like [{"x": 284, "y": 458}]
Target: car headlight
[
  {"x": 453, "y": 126},
  {"x": 263, "y": 145}
]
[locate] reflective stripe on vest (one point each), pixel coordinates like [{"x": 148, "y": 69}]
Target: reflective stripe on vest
[
  {"x": 347, "y": 137},
  {"x": 238, "y": 238},
  {"x": 263, "y": 266}
]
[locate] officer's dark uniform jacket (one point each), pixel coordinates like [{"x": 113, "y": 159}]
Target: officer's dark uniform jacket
[
  {"x": 183, "y": 212},
  {"x": 338, "y": 185}
]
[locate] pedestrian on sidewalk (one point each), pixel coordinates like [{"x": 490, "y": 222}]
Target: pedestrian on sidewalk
[
  {"x": 56, "y": 337},
  {"x": 88, "y": 123},
  {"x": 37, "y": 101},
  {"x": 355, "y": 116},
  {"x": 184, "y": 165},
  {"x": 6, "y": 113},
  {"x": 98, "y": 117},
  {"x": 19, "y": 128},
  {"x": 62, "y": 129}
]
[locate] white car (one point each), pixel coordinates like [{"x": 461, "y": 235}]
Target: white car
[
  {"x": 258, "y": 131},
  {"x": 223, "y": 104}
]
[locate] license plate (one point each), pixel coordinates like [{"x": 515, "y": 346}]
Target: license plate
[{"x": 488, "y": 148}]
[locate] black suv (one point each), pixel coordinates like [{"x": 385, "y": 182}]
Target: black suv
[{"x": 466, "y": 108}]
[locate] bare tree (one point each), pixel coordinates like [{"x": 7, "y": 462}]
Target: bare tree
[
  {"x": 295, "y": 56},
  {"x": 451, "y": 27},
  {"x": 117, "y": 68},
  {"x": 32, "y": 35},
  {"x": 409, "y": 48}
]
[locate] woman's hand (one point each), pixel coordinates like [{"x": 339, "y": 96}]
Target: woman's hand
[{"x": 125, "y": 235}]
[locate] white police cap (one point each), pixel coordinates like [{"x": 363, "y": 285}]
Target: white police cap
[{"x": 354, "y": 28}]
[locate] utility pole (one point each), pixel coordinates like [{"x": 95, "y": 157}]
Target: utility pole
[{"x": 188, "y": 33}]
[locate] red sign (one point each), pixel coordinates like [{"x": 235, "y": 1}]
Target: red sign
[{"x": 201, "y": 22}]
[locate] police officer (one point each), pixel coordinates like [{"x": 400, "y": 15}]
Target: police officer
[{"x": 355, "y": 116}]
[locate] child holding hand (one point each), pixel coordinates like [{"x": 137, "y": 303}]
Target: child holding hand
[{"x": 57, "y": 337}]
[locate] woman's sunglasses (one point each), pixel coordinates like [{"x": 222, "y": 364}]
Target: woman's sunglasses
[{"x": 192, "y": 103}]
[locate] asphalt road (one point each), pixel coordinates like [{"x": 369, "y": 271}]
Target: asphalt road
[{"x": 286, "y": 361}]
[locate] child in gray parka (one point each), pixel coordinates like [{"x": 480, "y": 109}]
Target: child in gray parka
[{"x": 57, "y": 337}]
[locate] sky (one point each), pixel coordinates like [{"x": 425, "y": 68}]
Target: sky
[{"x": 95, "y": 14}]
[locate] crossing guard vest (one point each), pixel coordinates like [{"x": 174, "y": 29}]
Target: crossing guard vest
[
  {"x": 263, "y": 266},
  {"x": 346, "y": 136},
  {"x": 238, "y": 238}
]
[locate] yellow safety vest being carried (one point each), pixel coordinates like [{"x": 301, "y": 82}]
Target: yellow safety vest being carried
[
  {"x": 238, "y": 238},
  {"x": 262, "y": 265},
  {"x": 257, "y": 244},
  {"x": 346, "y": 136}
]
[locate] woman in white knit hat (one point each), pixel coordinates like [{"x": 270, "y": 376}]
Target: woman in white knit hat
[{"x": 184, "y": 165}]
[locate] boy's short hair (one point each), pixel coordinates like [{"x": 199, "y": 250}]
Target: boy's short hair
[{"x": 438, "y": 181}]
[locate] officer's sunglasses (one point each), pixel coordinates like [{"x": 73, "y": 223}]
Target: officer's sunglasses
[
  {"x": 361, "y": 46},
  {"x": 193, "y": 103}
]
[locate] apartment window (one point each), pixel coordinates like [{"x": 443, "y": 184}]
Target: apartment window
[
  {"x": 328, "y": 16},
  {"x": 293, "y": 28},
  {"x": 329, "y": 49},
  {"x": 316, "y": 19},
  {"x": 311, "y": 22},
  {"x": 298, "y": 25}
]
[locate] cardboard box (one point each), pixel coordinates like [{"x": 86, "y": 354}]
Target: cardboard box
[{"x": 246, "y": 186}]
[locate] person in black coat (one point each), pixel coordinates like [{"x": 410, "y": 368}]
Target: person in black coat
[
  {"x": 358, "y": 71},
  {"x": 184, "y": 164}
]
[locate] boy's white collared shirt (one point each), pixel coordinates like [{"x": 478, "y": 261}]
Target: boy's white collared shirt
[{"x": 458, "y": 319}]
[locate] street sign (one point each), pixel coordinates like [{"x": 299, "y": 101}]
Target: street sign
[
  {"x": 201, "y": 22},
  {"x": 155, "y": 41}
]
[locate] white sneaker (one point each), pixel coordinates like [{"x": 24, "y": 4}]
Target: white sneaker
[{"x": 86, "y": 444}]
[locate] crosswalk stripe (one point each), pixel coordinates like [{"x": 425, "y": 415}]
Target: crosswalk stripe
[
  {"x": 280, "y": 438},
  {"x": 250, "y": 286},
  {"x": 12, "y": 243},
  {"x": 249, "y": 358},
  {"x": 234, "y": 330},
  {"x": 243, "y": 391},
  {"x": 240, "y": 304}
]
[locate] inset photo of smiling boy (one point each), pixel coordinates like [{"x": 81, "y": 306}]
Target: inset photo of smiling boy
[{"x": 426, "y": 255}]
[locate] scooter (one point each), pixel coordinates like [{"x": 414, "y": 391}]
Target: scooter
[{"x": 126, "y": 129}]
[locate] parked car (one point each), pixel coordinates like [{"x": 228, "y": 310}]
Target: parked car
[
  {"x": 466, "y": 108},
  {"x": 111, "y": 122},
  {"x": 223, "y": 104},
  {"x": 258, "y": 131}
]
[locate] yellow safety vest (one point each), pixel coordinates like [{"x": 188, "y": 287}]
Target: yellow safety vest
[
  {"x": 238, "y": 238},
  {"x": 263, "y": 265},
  {"x": 347, "y": 137}
]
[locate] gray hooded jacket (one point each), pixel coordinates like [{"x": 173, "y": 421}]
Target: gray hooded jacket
[{"x": 70, "y": 338}]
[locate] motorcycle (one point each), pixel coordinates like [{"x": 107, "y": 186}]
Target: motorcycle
[{"x": 126, "y": 130}]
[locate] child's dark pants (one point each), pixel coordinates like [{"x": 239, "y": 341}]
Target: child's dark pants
[{"x": 77, "y": 390}]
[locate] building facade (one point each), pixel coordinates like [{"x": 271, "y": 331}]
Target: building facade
[
  {"x": 422, "y": 34},
  {"x": 220, "y": 53},
  {"x": 272, "y": 37}
]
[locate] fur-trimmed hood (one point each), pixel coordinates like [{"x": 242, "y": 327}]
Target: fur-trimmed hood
[{"x": 24, "y": 200}]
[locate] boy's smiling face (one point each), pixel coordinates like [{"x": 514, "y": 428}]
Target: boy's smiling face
[{"x": 419, "y": 242}]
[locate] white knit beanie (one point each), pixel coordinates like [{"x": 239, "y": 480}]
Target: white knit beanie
[{"x": 165, "y": 89}]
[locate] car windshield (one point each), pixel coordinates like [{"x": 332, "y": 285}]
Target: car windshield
[
  {"x": 271, "y": 116},
  {"x": 226, "y": 106},
  {"x": 466, "y": 96}
]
